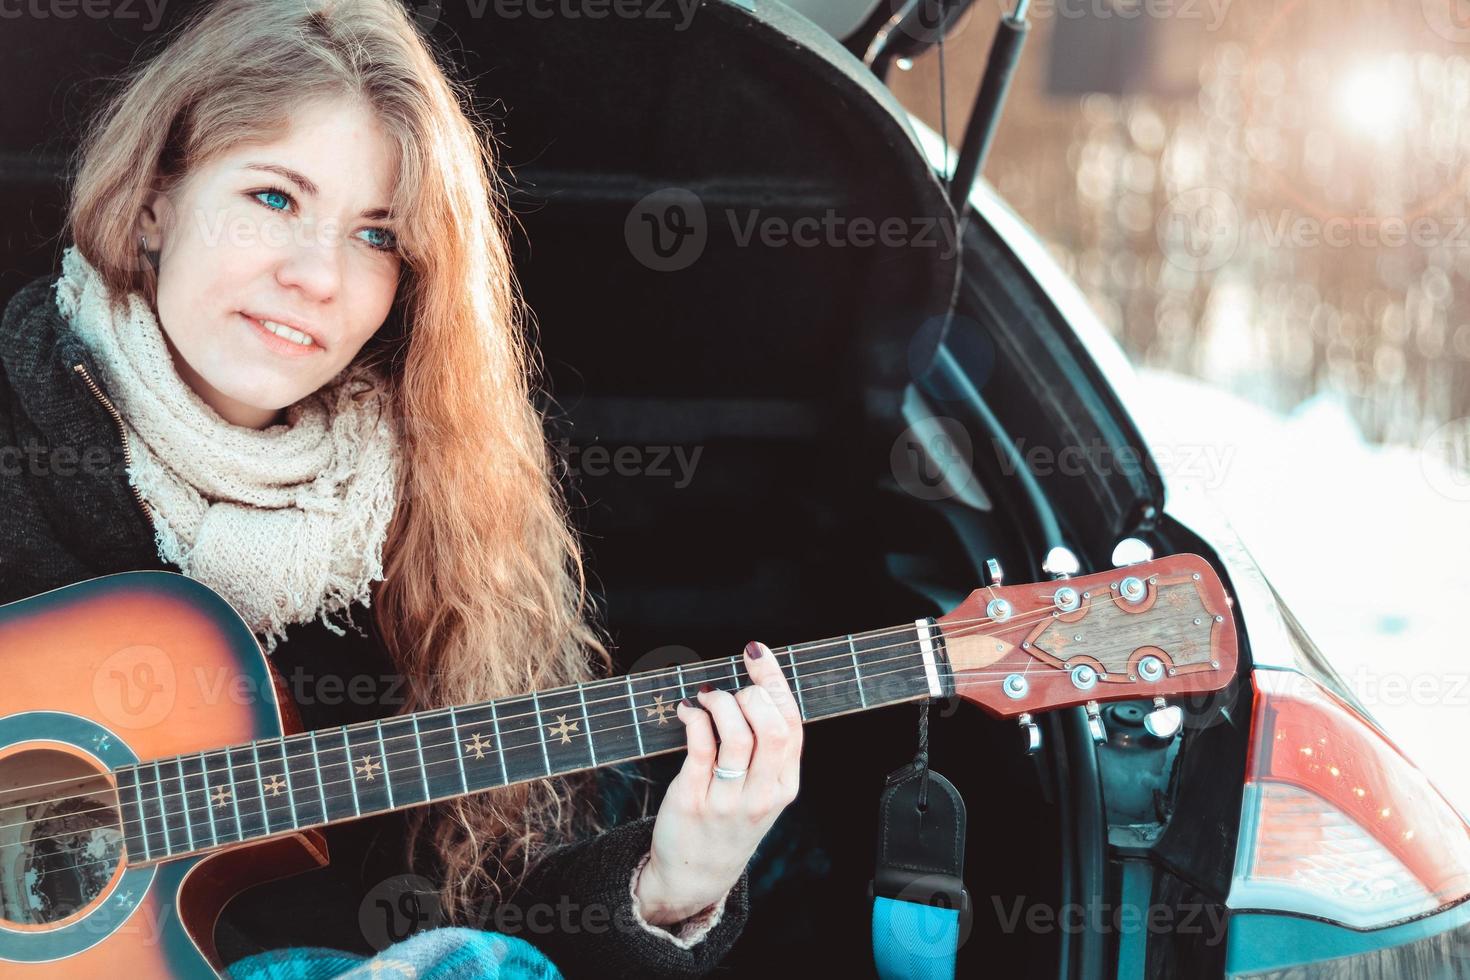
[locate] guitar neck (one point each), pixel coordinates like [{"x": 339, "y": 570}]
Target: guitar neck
[{"x": 198, "y": 802}]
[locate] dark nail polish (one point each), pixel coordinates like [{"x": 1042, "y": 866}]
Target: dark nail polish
[
  {"x": 706, "y": 688},
  {"x": 686, "y": 702},
  {"x": 753, "y": 650}
]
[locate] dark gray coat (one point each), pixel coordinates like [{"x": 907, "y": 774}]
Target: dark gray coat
[{"x": 67, "y": 513}]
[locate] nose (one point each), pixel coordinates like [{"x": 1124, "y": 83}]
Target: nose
[{"x": 313, "y": 264}]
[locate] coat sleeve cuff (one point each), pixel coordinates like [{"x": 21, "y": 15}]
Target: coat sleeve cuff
[
  {"x": 588, "y": 885},
  {"x": 686, "y": 932}
]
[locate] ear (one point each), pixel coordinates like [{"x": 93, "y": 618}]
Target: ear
[{"x": 154, "y": 218}]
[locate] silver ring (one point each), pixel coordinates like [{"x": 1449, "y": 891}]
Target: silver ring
[{"x": 723, "y": 773}]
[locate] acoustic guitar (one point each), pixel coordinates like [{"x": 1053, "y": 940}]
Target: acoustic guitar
[{"x": 152, "y": 766}]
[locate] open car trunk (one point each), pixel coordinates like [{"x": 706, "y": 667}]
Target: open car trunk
[{"x": 733, "y": 421}]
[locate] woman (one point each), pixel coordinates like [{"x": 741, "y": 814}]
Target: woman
[{"x": 289, "y": 315}]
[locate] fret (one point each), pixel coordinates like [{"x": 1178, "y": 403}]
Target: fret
[
  {"x": 587, "y": 722},
  {"x": 221, "y": 797},
  {"x": 633, "y": 713},
  {"x": 369, "y": 782},
  {"x": 522, "y": 738},
  {"x": 176, "y": 793},
  {"x": 174, "y": 840},
  {"x": 679, "y": 679},
  {"x": 521, "y": 745},
  {"x": 131, "y": 808},
  {"x": 792, "y": 680},
  {"x": 249, "y": 797},
  {"x": 541, "y": 729},
  {"x": 852, "y": 649},
  {"x": 155, "y": 836},
  {"x": 275, "y": 786},
  {"x": 401, "y": 767},
  {"x": 478, "y": 744},
  {"x": 387, "y": 762},
  {"x": 459, "y": 753},
  {"x": 339, "y": 792},
  {"x": 712, "y": 672},
  {"x": 829, "y": 683},
  {"x": 196, "y": 800},
  {"x": 418, "y": 751},
  {"x": 440, "y": 757},
  {"x": 563, "y": 731},
  {"x": 499, "y": 742},
  {"x": 737, "y": 664},
  {"x": 656, "y": 700},
  {"x": 612, "y": 721},
  {"x": 890, "y": 666},
  {"x": 304, "y": 781}
]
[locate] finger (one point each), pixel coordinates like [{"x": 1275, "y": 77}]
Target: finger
[
  {"x": 772, "y": 741},
  {"x": 697, "y": 769},
  {"x": 761, "y": 665},
  {"x": 765, "y": 671},
  {"x": 737, "y": 741}
]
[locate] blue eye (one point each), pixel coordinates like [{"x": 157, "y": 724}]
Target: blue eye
[
  {"x": 389, "y": 243},
  {"x": 273, "y": 193}
]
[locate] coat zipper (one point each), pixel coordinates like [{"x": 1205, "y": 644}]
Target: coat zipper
[{"x": 122, "y": 433}]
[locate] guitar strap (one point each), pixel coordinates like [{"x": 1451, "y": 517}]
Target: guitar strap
[{"x": 921, "y": 909}]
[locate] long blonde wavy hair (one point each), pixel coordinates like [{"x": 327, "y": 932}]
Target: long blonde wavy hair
[{"x": 484, "y": 592}]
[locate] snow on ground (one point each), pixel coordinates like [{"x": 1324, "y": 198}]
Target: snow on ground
[{"x": 1369, "y": 546}]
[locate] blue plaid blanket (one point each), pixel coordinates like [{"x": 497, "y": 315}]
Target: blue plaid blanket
[{"x": 436, "y": 954}]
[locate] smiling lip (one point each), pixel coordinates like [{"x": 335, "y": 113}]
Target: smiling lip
[{"x": 280, "y": 344}]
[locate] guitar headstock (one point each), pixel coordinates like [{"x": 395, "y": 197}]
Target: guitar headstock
[{"x": 1154, "y": 629}]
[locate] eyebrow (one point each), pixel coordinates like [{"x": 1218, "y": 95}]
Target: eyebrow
[{"x": 307, "y": 187}]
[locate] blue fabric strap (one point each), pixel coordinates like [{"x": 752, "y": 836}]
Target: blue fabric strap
[
  {"x": 913, "y": 941},
  {"x": 435, "y": 954}
]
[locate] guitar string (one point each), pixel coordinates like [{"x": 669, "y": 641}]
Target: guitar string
[
  {"x": 346, "y": 748},
  {"x": 1025, "y": 619},
  {"x": 1040, "y": 613},
  {"x": 602, "y": 683},
  {"x": 222, "y": 754},
  {"x": 339, "y": 797},
  {"x": 164, "y": 831}
]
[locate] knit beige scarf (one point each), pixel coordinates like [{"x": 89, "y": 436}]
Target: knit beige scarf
[{"x": 287, "y": 523}]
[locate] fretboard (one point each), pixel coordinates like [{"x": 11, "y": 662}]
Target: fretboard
[{"x": 191, "y": 803}]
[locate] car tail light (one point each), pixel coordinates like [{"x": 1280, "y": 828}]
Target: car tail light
[{"x": 1336, "y": 822}]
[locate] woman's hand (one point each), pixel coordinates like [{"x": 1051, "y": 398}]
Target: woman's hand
[{"x": 707, "y": 828}]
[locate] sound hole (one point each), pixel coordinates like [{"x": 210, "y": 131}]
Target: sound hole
[{"x": 60, "y": 841}]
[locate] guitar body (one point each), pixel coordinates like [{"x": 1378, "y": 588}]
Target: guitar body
[{"x": 102, "y": 674}]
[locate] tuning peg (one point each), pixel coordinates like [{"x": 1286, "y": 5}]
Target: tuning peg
[
  {"x": 1030, "y": 735},
  {"x": 1095, "y": 724},
  {"x": 1061, "y": 563},
  {"x": 1164, "y": 721},
  {"x": 1131, "y": 551},
  {"x": 993, "y": 572}
]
